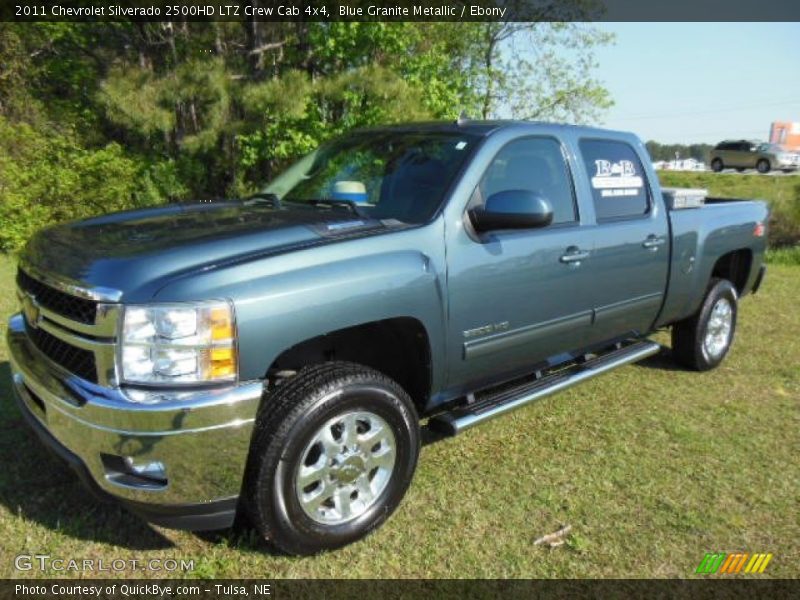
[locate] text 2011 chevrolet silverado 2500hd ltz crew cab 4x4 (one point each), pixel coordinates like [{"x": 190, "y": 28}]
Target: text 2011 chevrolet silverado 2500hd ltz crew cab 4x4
[{"x": 273, "y": 356}]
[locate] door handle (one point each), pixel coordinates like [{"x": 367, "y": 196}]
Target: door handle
[
  {"x": 653, "y": 242},
  {"x": 574, "y": 256}
]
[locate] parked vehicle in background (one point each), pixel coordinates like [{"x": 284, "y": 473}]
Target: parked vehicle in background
[
  {"x": 273, "y": 356},
  {"x": 744, "y": 154}
]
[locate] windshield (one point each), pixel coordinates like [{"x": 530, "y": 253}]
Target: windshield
[
  {"x": 383, "y": 175},
  {"x": 771, "y": 148}
]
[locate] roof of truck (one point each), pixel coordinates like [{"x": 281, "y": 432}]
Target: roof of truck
[{"x": 479, "y": 128}]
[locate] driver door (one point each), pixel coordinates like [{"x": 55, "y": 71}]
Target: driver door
[{"x": 518, "y": 297}]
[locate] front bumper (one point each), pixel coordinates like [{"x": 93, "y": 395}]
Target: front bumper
[{"x": 177, "y": 462}]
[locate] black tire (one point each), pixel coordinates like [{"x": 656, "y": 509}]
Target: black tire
[
  {"x": 689, "y": 346},
  {"x": 716, "y": 165},
  {"x": 297, "y": 411},
  {"x": 763, "y": 166}
]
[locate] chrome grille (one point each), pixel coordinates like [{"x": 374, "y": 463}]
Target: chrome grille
[
  {"x": 67, "y": 305},
  {"x": 75, "y": 360},
  {"x": 67, "y": 326}
]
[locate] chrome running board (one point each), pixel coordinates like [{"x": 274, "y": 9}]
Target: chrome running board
[{"x": 491, "y": 405}]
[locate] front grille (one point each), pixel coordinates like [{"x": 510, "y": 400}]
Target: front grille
[
  {"x": 67, "y": 305},
  {"x": 75, "y": 360}
]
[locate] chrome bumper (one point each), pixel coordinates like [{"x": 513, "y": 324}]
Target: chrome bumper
[{"x": 159, "y": 450}]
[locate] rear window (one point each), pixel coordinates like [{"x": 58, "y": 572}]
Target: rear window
[{"x": 617, "y": 179}]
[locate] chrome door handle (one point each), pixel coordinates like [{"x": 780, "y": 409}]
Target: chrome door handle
[
  {"x": 653, "y": 242},
  {"x": 574, "y": 257}
]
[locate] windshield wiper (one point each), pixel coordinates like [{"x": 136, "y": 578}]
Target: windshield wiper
[
  {"x": 333, "y": 202},
  {"x": 264, "y": 198}
]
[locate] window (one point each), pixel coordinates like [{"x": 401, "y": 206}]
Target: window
[
  {"x": 535, "y": 164},
  {"x": 617, "y": 178},
  {"x": 385, "y": 174}
]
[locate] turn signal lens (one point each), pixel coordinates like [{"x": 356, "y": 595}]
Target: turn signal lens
[
  {"x": 221, "y": 324},
  {"x": 223, "y": 363}
]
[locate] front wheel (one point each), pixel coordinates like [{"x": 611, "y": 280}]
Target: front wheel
[
  {"x": 702, "y": 341},
  {"x": 333, "y": 454},
  {"x": 763, "y": 166}
]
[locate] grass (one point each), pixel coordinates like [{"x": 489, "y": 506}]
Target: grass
[
  {"x": 788, "y": 255},
  {"x": 652, "y": 466}
]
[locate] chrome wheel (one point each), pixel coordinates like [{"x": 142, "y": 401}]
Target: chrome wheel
[
  {"x": 345, "y": 467},
  {"x": 719, "y": 328}
]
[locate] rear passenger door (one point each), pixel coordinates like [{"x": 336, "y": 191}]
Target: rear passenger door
[
  {"x": 742, "y": 156},
  {"x": 727, "y": 154},
  {"x": 630, "y": 254}
]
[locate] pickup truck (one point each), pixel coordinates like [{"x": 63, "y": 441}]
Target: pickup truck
[{"x": 273, "y": 357}]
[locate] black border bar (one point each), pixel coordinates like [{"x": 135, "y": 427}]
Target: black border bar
[
  {"x": 204, "y": 589},
  {"x": 401, "y": 10}
]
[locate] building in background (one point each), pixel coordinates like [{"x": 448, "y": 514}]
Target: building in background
[
  {"x": 785, "y": 133},
  {"x": 679, "y": 164}
]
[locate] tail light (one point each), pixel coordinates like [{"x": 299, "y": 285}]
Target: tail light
[{"x": 759, "y": 229}]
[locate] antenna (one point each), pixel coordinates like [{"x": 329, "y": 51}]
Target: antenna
[{"x": 462, "y": 118}]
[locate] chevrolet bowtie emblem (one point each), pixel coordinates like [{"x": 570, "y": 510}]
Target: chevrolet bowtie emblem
[{"x": 30, "y": 308}]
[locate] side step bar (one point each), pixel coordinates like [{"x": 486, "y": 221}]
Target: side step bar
[{"x": 496, "y": 404}]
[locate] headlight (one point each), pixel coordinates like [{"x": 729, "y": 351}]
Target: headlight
[{"x": 178, "y": 343}]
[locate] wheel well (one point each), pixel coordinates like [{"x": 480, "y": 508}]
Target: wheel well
[
  {"x": 735, "y": 267},
  {"x": 398, "y": 348}
]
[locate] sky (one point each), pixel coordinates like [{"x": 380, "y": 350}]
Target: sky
[{"x": 701, "y": 82}]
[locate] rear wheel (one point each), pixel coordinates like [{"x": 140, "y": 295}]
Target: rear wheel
[
  {"x": 716, "y": 165},
  {"x": 332, "y": 457},
  {"x": 763, "y": 166},
  {"x": 702, "y": 341}
]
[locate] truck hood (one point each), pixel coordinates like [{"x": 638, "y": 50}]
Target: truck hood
[{"x": 137, "y": 252}]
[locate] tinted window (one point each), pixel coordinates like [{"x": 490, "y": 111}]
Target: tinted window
[
  {"x": 617, "y": 179},
  {"x": 535, "y": 164}
]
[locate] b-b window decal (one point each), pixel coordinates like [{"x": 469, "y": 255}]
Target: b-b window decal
[{"x": 617, "y": 178}]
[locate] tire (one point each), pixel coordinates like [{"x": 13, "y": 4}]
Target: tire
[
  {"x": 312, "y": 423},
  {"x": 702, "y": 341},
  {"x": 763, "y": 166},
  {"x": 716, "y": 165}
]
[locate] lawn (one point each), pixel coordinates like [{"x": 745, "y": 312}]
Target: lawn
[{"x": 652, "y": 466}]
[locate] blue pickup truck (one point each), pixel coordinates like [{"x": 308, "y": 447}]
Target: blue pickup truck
[{"x": 272, "y": 357}]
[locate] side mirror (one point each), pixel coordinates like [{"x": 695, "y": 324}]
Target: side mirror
[{"x": 512, "y": 209}]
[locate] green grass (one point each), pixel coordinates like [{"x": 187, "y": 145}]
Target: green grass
[
  {"x": 652, "y": 466},
  {"x": 789, "y": 255}
]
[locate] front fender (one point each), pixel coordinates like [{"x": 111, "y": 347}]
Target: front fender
[{"x": 283, "y": 300}]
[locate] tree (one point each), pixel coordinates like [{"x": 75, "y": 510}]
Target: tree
[
  {"x": 179, "y": 110},
  {"x": 538, "y": 71}
]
